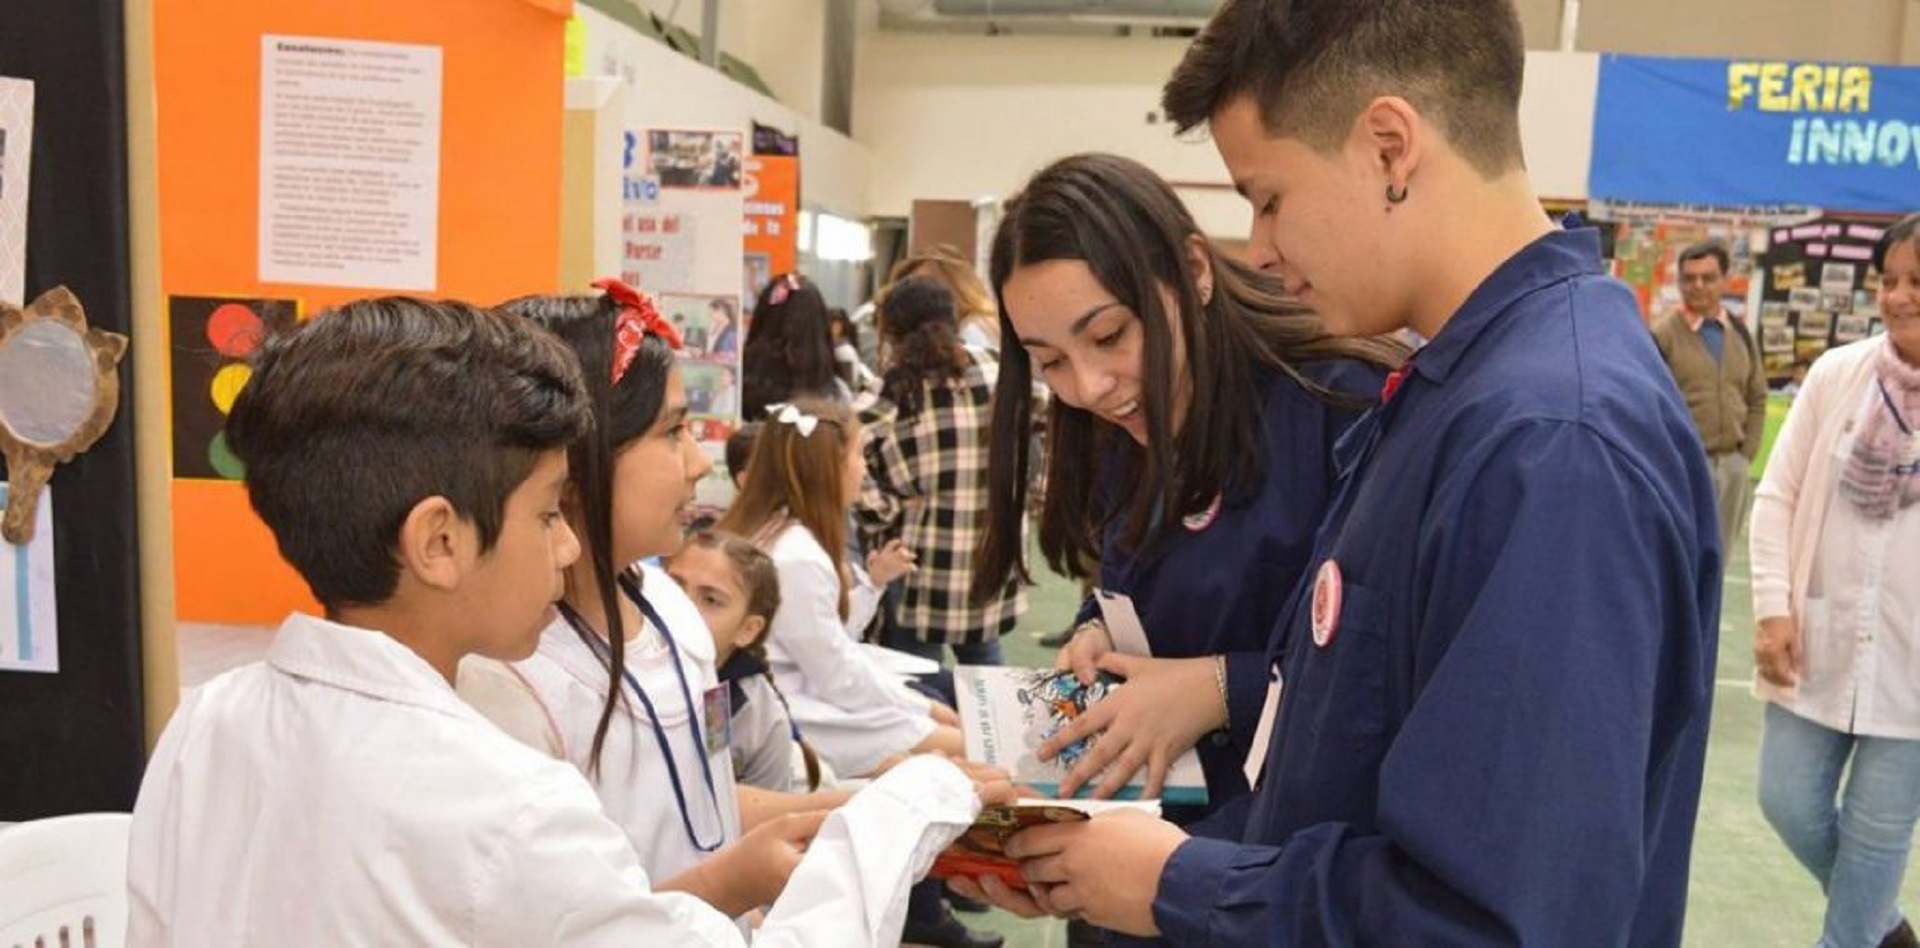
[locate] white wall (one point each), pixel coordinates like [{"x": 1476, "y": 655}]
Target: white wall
[
  {"x": 669, "y": 89},
  {"x": 960, "y": 117}
]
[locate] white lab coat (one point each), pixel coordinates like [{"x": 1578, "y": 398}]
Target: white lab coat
[
  {"x": 340, "y": 793},
  {"x": 853, "y": 714},
  {"x": 562, "y": 688}
]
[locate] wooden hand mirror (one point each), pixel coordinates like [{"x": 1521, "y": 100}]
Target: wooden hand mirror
[{"x": 59, "y": 389}]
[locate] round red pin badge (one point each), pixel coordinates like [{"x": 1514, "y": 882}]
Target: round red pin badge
[{"x": 1326, "y": 603}]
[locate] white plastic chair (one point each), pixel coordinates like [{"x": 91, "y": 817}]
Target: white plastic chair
[{"x": 63, "y": 882}]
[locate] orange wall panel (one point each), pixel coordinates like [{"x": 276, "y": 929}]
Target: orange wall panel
[{"x": 499, "y": 226}]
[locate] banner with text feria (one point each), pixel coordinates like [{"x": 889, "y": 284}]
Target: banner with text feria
[{"x": 1757, "y": 133}]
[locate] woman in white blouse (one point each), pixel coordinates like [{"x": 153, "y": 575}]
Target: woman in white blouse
[
  {"x": 1835, "y": 538},
  {"x": 806, "y": 470}
]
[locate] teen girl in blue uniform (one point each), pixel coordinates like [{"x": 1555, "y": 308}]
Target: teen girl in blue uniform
[{"x": 1187, "y": 451}]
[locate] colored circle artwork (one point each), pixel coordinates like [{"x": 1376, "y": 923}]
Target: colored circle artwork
[
  {"x": 224, "y": 462},
  {"x": 234, "y": 330},
  {"x": 227, "y": 384}
]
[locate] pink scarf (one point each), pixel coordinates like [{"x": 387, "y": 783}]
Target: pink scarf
[{"x": 1882, "y": 475}]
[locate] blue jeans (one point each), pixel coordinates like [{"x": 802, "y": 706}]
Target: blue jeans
[{"x": 1855, "y": 841}]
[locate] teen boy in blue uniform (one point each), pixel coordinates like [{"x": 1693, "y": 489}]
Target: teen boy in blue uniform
[{"x": 1497, "y": 674}]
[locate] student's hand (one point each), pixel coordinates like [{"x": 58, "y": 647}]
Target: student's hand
[
  {"x": 1776, "y": 651},
  {"x": 758, "y": 864},
  {"x": 890, "y": 562},
  {"x": 1167, "y": 705},
  {"x": 983, "y": 775},
  {"x": 1082, "y": 653},
  {"x": 1105, "y": 871},
  {"x": 942, "y": 714}
]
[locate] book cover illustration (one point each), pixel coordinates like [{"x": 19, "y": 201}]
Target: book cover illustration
[
  {"x": 1006, "y": 713},
  {"x": 982, "y": 849}
]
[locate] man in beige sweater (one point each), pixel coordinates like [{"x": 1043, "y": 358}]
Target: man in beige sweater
[{"x": 1718, "y": 370}]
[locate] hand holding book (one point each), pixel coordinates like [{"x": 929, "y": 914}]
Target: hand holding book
[{"x": 1052, "y": 732}]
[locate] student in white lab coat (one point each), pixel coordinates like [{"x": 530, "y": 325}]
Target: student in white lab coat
[
  {"x": 624, "y": 685},
  {"x": 408, "y": 457},
  {"x": 806, "y": 470},
  {"x": 736, "y": 587}
]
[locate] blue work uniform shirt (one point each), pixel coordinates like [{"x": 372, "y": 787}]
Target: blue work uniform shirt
[
  {"x": 1218, "y": 589},
  {"x": 1501, "y": 742}
]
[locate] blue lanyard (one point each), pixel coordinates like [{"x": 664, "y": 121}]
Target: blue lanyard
[
  {"x": 694, "y": 724},
  {"x": 1887, "y": 397}
]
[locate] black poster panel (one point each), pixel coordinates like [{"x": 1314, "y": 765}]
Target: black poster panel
[{"x": 73, "y": 741}]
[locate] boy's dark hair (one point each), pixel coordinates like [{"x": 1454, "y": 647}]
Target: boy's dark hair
[
  {"x": 1906, "y": 229},
  {"x": 622, "y": 412},
  {"x": 1312, "y": 65},
  {"x": 353, "y": 417},
  {"x": 789, "y": 351},
  {"x": 918, "y": 318},
  {"x": 1703, "y": 250},
  {"x": 740, "y": 447},
  {"x": 1130, "y": 229}
]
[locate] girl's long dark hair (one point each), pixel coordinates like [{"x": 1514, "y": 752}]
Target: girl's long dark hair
[
  {"x": 922, "y": 329},
  {"x": 621, "y": 413},
  {"x": 1128, "y": 226},
  {"x": 789, "y": 347}
]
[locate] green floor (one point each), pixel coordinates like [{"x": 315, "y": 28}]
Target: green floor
[{"x": 1746, "y": 890}]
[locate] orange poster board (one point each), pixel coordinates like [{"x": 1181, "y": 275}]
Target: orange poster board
[{"x": 498, "y": 227}]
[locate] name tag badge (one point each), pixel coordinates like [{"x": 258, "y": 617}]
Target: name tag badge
[
  {"x": 1326, "y": 603},
  {"x": 1256, "y": 762},
  {"x": 1123, "y": 623},
  {"x": 717, "y": 736}
]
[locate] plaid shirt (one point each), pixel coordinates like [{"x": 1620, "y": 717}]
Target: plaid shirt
[{"x": 931, "y": 468}]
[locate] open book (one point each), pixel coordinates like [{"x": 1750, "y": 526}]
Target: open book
[
  {"x": 982, "y": 849},
  {"x": 1007, "y": 712}
]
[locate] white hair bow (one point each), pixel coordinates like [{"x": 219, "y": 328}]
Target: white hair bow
[{"x": 788, "y": 415}]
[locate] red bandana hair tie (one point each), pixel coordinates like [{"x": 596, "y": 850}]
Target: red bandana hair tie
[{"x": 637, "y": 319}]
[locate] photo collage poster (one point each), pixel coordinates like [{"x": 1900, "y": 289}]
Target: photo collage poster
[
  {"x": 1819, "y": 291},
  {"x": 682, "y": 234}
]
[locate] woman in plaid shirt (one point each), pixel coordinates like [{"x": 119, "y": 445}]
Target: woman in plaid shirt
[{"x": 931, "y": 456}]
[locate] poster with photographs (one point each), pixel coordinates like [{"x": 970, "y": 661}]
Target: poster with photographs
[
  {"x": 1816, "y": 324},
  {"x": 713, "y": 390},
  {"x": 709, "y": 326},
  {"x": 1776, "y": 328},
  {"x": 1819, "y": 270},
  {"x": 681, "y": 227},
  {"x": 690, "y": 158},
  {"x": 1838, "y": 277}
]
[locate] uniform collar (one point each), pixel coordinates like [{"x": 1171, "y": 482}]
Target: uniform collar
[
  {"x": 1557, "y": 256},
  {"x": 360, "y": 660},
  {"x": 1694, "y": 322},
  {"x": 742, "y": 664}
]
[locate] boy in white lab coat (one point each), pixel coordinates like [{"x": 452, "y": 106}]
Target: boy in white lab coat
[{"x": 409, "y": 457}]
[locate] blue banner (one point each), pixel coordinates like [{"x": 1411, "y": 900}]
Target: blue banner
[{"x": 1757, "y": 133}]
